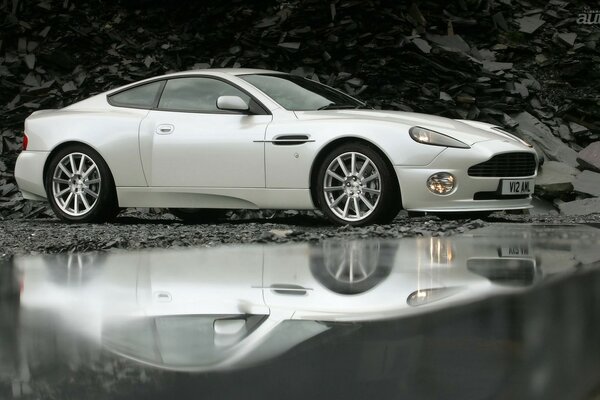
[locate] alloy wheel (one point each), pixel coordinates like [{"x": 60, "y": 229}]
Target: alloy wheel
[
  {"x": 76, "y": 184},
  {"x": 352, "y": 186}
]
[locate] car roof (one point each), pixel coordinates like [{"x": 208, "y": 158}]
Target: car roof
[{"x": 228, "y": 71}]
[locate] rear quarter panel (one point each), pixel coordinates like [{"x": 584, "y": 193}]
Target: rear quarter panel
[{"x": 112, "y": 132}]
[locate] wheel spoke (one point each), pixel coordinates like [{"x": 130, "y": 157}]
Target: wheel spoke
[
  {"x": 86, "y": 204},
  {"x": 336, "y": 176},
  {"x": 92, "y": 181},
  {"x": 65, "y": 170},
  {"x": 72, "y": 163},
  {"x": 61, "y": 181},
  {"x": 57, "y": 195},
  {"x": 88, "y": 191},
  {"x": 68, "y": 200},
  {"x": 346, "y": 206},
  {"x": 356, "y": 207},
  {"x": 363, "y": 167},
  {"x": 370, "y": 178},
  {"x": 366, "y": 202},
  {"x": 369, "y": 190},
  {"x": 352, "y": 163},
  {"x": 81, "y": 164},
  {"x": 337, "y": 201},
  {"x": 76, "y": 203},
  {"x": 342, "y": 166},
  {"x": 333, "y": 188},
  {"x": 88, "y": 171}
]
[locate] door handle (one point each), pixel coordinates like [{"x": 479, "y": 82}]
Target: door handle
[{"x": 164, "y": 129}]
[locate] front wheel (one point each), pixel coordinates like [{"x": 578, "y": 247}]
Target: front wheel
[
  {"x": 356, "y": 187},
  {"x": 79, "y": 186}
]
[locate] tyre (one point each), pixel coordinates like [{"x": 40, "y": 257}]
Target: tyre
[
  {"x": 198, "y": 215},
  {"x": 352, "y": 267},
  {"x": 356, "y": 187},
  {"x": 80, "y": 187}
]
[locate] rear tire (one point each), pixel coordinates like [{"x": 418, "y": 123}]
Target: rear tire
[
  {"x": 79, "y": 186},
  {"x": 356, "y": 187}
]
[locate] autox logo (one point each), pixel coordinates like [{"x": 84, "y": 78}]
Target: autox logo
[{"x": 588, "y": 17}]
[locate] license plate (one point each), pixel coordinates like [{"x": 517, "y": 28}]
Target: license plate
[
  {"x": 514, "y": 251},
  {"x": 517, "y": 186}
]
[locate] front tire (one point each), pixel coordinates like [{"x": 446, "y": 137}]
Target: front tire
[
  {"x": 356, "y": 187},
  {"x": 79, "y": 186}
]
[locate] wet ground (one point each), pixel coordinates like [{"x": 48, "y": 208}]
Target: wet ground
[
  {"x": 138, "y": 231},
  {"x": 501, "y": 311}
]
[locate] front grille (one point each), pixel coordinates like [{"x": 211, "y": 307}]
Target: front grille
[{"x": 506, "y": 165}]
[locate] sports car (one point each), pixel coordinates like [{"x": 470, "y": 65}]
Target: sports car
[{"x": 207, "y": 140}]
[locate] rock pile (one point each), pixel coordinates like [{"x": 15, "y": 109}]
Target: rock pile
[{"x": 529, "y": 66}]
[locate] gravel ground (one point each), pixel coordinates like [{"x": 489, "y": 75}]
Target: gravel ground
[{"x": 137, "y": 230}]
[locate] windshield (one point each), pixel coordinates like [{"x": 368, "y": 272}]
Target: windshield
[{"x": 296, "y": 93}]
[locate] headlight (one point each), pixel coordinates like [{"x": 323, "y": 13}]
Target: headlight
[
  {"x": 511, "y": 136},
  {"x": 427, "y": 136}
]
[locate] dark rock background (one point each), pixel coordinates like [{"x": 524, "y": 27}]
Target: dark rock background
[{"x": 529, "y": 66}]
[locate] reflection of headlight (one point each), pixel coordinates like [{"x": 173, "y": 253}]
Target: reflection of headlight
[
  {"x": 440, "y": 251},
  {"x": 427, "y": 136},
  {"x": 511, "y": 136}
]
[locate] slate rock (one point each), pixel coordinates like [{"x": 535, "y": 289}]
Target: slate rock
[
  {"x": 555, "y": 178},
  {"x": 580, "y": 207},
  {"x": 589, "y": 157},
  {"x": 587, "y": 182},
  {"x": 542, "y": 138},
  {"x": 530, "y": 24}
]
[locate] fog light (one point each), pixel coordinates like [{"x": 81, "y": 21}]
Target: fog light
[{"x": 441, "y": 183}]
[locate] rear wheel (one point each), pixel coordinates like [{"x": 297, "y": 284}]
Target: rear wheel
[
  {"x": 198, "y": 215},
  {"x": 79, "y": 186},
  {"x": 355, "y": 186}
]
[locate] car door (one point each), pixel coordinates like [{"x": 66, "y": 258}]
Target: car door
[{"x": 188, "y": 142}]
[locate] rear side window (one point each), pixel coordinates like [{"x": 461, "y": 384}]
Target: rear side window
[
  {"x": 197, "y": 94},
  {"x": 143, "y": 96}
]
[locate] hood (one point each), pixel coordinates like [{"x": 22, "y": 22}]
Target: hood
[{"x": 462, "y": 131}]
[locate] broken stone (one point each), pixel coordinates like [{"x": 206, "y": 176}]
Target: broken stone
[
  {"x": 422, "y": 45},
  {"x": 530, "y": 24},
  {"x": 587, "y": 182},
  {"x": 541, "y": 206},
  {"x": 578, "y": 129},
  {"x": 542, "y": 138},
  {"x": 580, "y": 207},
  {"x": 493, "y": 66},
  {"x": 450, "y": 42},
  {"x": 589, "y": 158},
  {"x": 555, "y": 178},
  {"x": 567, "y": 38}
]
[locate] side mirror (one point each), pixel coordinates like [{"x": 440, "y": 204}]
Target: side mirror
[{"x": 231, "y": 103}]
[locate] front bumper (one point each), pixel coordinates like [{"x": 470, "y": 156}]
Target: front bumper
[
  {"x": 416, "y": 196},
  {"x": 29, "y": 174}
]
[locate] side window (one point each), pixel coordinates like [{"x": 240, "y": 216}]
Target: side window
[
  {"x": 196, "y": 94},
  {"x": 139, "y": 96}
]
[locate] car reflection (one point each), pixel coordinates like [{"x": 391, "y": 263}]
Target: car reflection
[{"x": 232, "y": 307}]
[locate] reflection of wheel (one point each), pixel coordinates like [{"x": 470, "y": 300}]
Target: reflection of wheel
[
  {"x": 355, "y": 186},
  {"x": 74, "y": 269},
  {"x": 198, "y": 215},
  {"x": 352, "y": 267},
  {"x": 79, "y": 186}
]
